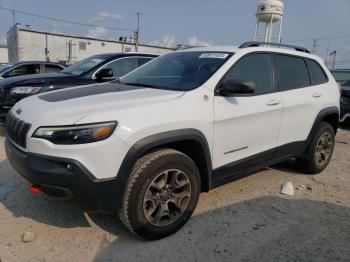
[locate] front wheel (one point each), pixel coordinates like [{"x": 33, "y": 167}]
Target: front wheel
[
  {"x": 320, "y": 151},
  {"x": 161, "y": 194}
]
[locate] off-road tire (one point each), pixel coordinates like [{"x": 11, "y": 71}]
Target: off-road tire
[
  {"x": 307, "y": 163},
  {"x": 144, "y": 171}
]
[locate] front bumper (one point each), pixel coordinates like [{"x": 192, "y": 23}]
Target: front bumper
[{"x": 66, "y": 179}]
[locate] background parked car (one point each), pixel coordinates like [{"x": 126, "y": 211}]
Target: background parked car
[
  {"x": 345, "y": 102},
  {"x": 97, "y": 68},
  {"x": 29, "y": 68}
]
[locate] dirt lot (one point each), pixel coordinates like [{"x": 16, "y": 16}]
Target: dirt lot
[{"x": 247, "y": 220}]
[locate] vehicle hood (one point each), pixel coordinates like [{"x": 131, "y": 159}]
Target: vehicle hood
[
  {"x": 41, "y": 79},
  {"x": 102, "y": 101}
]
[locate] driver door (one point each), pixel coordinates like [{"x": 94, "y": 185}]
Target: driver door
[{"x": 246, "y": 127}]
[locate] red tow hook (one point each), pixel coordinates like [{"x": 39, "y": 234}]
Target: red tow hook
[{"x": 35, "y": 189}]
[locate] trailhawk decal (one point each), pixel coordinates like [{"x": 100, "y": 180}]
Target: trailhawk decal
[{"x": 89, "y": 90}]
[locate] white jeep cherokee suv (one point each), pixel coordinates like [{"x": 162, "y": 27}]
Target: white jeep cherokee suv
[{"x": 186, "y": 122}]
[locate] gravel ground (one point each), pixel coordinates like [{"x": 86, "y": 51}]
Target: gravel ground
[{"x": 247, "y": 220}]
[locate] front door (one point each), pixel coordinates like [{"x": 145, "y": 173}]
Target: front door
[{"x": 247, "y": 127}]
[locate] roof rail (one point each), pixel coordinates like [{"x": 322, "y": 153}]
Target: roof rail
[{"x": 256, "y": 44}]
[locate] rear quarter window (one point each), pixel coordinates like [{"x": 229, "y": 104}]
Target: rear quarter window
[
  {"x": 292, "y": 72},
  {"x": 52, "y": 68},
  {"x": 318, "y": 76}
]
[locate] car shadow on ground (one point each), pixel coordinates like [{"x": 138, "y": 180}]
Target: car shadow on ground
[
  {"x": 15, "y": 196},
  {"x": 290, "y": 166},
  {"x": 264, "y": 229},
  {"x": 2, "y": 131},
  {"x": 345, "y": 126}
]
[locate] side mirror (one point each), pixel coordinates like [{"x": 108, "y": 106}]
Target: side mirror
[
  {"x": 236, "y": 87},
  {"x": 104, "y": 73}
]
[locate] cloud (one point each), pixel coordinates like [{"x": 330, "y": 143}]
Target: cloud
[
  {"x": 97, "y": 32},
  {"x": 194, "y": 41},
  {"x": 170, "y": 41},
  {"x": 100, "y": 16},
  {"x": 167, "y": 41}
]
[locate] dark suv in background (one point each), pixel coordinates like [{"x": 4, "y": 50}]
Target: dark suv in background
[
  {"x": 29, "y": 68},
  {"x": 345, "y": 102},
  {"x": 94, "y": 69}
]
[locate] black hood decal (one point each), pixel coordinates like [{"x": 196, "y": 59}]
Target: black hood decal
[{"x": 89, "y": 90}]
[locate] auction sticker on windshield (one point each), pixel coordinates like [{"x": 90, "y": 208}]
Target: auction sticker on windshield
[{"x": 214, "y": 55}]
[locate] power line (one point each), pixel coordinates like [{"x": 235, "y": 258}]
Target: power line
[
  {"x": 320, "y": 38},
  {"x": 65, "y": 21}
]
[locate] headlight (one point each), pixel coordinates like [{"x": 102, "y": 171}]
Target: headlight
[
  {"x": 77, "y": 134},
  {"x": 25, "y": 90}
]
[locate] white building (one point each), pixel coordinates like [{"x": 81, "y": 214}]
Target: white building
[
  {"x": 26, "y": 44},
  {"x": 3, "y": 54}
]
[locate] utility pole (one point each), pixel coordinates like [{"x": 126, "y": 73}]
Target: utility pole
[
  {"x": 328, "y": 49},
  {"x": 334, "y": 57},
  {"x": 137, "y": 32},
  {"x": 314, "y": 46},
  {"x": 47, "y": 49},
  {"x": 13, "y": 13}
]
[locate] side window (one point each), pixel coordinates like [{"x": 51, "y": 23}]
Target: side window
[
  {"x": 292, "y": 72},
  {"x": 122, "y": 66},
  {"x": 52, "y": 69},
  {"x": 256, "y": 68},
  {"x": 25, "y": 70},
  {"x": 317, "y": 74},
  {"x": 144, "y": 60}
]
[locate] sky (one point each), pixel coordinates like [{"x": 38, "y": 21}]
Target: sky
[{"x": 194, "y": 22}]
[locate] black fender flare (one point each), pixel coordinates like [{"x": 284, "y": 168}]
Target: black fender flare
[
  {"x": 319, "y": 118},
  {"x": 157, "y": 141}
]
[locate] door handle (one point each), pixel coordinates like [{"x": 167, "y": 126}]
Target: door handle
[
  {"x": 316, "y": 95},
  {"x": 273, "y": 102}
]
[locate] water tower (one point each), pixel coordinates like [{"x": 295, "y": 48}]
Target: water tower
[{"x": 269, "y": 12}]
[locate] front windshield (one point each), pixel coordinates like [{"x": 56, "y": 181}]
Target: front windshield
[
  {"x": 85, "y": 65},
  {"x": 3, "y": 68},
  {"x": 181, "y": 71}
]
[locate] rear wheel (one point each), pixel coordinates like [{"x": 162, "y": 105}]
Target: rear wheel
[
  {"x": 320, "y": 151},
  {"x": 161, "y": 194}
]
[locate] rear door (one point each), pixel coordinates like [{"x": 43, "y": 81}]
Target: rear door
[
  {"x": 303, "y": 99},
  {"x": 246, "y": 127}
]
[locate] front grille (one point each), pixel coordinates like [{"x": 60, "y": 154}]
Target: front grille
[{"x": 17, "y": 130}]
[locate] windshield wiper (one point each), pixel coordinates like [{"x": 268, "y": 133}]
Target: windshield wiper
[{"x": 139, "y": 84}]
